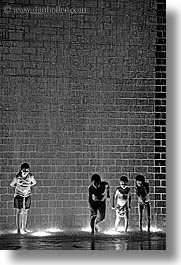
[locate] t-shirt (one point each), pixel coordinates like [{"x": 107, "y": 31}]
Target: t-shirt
[
  {"x": 121, "y": 195},
  {"x": 23, "y": 185},
  {"x": 99, "y": 193},
  {"x": 143, "y": 191}
]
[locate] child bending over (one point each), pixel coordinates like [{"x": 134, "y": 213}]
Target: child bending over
[{"x": 122, "y": 197}]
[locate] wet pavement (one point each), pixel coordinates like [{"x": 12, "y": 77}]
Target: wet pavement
[{"x": 84, "y": 241}]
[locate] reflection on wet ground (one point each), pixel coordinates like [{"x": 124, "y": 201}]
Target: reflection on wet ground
[{"x": 84, "y": 241}]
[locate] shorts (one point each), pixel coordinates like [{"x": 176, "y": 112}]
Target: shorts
[
  {"x": 22, "y": 202},
  {"x": 141, "y": 207},
  {"x": 122, "y": 211},
  {"x": 98, "y": 206}
]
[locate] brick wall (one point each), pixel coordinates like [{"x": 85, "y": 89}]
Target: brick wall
[
  {"x": 160, "y": 115},
  {"x": 82, "y": 93}
]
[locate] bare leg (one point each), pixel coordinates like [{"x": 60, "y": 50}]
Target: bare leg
[
  {"x": 24, "y": 220},
  {"x": 148, "y": 216},
  {"x": 92, "y": 223},
  {"x": 126, "y": 224},
  {"x": 101, "y": 215},
  {"x": 18, "y": 220},
  {"x": 99, "y": 219},
  {"x": 117, "y": 221},
  {"x": 140, "y": 212},
  {"x": 126, "y": 219}
]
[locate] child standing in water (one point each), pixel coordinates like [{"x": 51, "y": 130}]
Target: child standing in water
[
  {"x": 122, "y": 197},
  {"x": 22, "y": 196},
  {"x": 142, "y": 192},
  {"x": 98, "y": 193}
]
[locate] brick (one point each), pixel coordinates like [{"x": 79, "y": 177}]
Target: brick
[
  {"x": 3, "y": 219},
  {"x": 160, "y": 163},
  {"x": 42, "y": 204},
  {"x": 62, "y": 182},
  {"x": 76, "y": 197},
  {"x": 164, "y": 197},
  {"x": 163, "y": 211},
  {"x": 160, "y": 190},
  {"x": 160, "y": 204}
]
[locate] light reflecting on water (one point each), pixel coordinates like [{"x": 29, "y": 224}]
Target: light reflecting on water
[
  {"x": 86, "y": 229},
  {"x": 51, "y": 230},
  {"x": 40, "y": 233},
  {"x": 112, "y": 231},
  {"x": 12, "y": 231},
  {"x": 123, "y": 246},
  {"x": 155, "y": 229},
  {"x": 54, "y": 230},
  {"x": 47, "y": 232},
  {"x": 8, "y": 232},
  {"x": 53, "y": 238}
]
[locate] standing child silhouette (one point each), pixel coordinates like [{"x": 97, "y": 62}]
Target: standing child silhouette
[{"x": 22, "y": 183}]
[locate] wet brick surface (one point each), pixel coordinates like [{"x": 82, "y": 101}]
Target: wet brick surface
[{"x": 84, "y": 241}]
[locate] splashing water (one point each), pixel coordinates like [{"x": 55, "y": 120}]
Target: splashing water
[
  {"x": 53, "y": 230},
  {"x": 8, "y": 232},
  {"x": 47, "y": 231},
  {"x": 154, "y": 229},
  {"x": 112, "y": 231},
  {"x": 40, "y": 233},
  {"x": 86, "y": 229}
]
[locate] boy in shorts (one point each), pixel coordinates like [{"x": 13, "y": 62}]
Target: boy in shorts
[
  {"x": 22, "y": 196},
  {"x": 98, "y": 193},
  {"x": 122, "y": 197},
  {"x": 142, "y": 192}
]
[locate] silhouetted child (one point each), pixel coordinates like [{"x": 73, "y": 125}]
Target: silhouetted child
[
  {"x": 22, "y": 196},
  {"x": 142, "y": 192},
  {"x": 122, "y": 197},
  {"x": 98, "y": 193}
]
